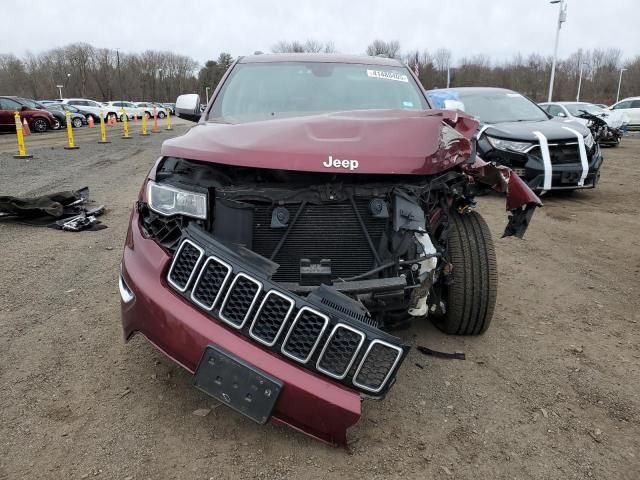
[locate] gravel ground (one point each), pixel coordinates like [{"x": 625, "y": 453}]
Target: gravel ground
[{"x": 551, "y": 391}]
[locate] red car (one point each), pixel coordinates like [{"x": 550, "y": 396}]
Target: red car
[
  {"x": 318, "y": 203},
  {"x": 39, "y": 120}
]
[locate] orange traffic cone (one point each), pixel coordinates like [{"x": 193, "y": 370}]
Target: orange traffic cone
[
  {"x": 25, "y": 127},
  {"x": 90, "y": 122}
]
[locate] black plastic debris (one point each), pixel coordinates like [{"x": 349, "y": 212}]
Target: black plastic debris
[
  {"x": 435, "y": 353},
  {"x": 62, "y": 210}
]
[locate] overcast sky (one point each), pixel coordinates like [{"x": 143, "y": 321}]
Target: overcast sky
[{"x": 202, "y": 29}]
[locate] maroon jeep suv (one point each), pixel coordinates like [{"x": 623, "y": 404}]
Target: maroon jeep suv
[{"x": 318, "y": 203}]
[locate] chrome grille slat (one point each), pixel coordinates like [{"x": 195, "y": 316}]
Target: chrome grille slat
[
  {"x": 365, "y": 367},
  {"x": 181, "y": 266},
  {"x": 304, "y": 334},
  {"x": 260, "y": 329},
  {"x": 337, "y": 354},
  {"x": 209, "y": 282},
  {"x": 236, "y": 300}
]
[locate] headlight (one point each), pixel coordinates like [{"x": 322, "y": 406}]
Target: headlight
[
  {"x": 169, "y": 200},
  {"x": 509, "y": 145},
  {"x": 588, "y": 141}
]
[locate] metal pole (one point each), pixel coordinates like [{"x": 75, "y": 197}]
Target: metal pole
[
  {"x": 619, "y": 84},
  {"x": 561, "y": 19},
  {"x": 579, "y": 83},
  {"x": 448, "y": 76},
  {"x": 119, "y": 75},
  {"x": 206, "y": 89}
]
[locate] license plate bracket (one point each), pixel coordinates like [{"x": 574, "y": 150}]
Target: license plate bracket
[{"x": 237, "y": 384}]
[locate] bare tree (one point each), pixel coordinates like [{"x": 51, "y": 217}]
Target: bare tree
[
  {"x": 381, "y": 48},
  {"x": 308, "y": 46}
]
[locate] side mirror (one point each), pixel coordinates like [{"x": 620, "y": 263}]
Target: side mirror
[
  {"x": 453, "y": 105},
  {"x": 24, "y": 108},
  {"x": 561, "y": 114},
  {"x": 188, "y": 107}
]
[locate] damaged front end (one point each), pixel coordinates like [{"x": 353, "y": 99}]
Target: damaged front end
[{"x": 303, "y": 272}]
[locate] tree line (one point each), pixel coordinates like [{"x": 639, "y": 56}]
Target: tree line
[{"x": 107, "y": 74}]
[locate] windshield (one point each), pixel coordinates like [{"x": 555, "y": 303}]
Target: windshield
[
  {"x": 575, "y": 109},
  {"x": 274, "y": 90},
  {"x": 29, "y": 103},
  {"x": 498, "y": 107}
]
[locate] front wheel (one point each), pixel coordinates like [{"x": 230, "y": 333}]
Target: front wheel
[
  {"x": 471, "y": 297},
  {"x": 76, "y": 122},
  {"x": 161, "y": 115},
  {"x": 39, "y": 125}
]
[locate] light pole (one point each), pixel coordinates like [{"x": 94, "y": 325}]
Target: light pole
[
  {"x": 59, "y": 87},
  {"x": 448, "y": 76},
  {"x": 206, "y": 89},
  {"x": 562, "y": 17},
  {"x": 619, "y": 84},
  {"x": 579, "y": 82}
]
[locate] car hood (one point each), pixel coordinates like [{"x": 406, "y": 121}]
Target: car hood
[
  {"x": 553, "y": 129},
  {"x": 368, "y": 141}
]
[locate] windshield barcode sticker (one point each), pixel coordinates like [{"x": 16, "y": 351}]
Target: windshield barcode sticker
[{"x": 387, "y": 75}]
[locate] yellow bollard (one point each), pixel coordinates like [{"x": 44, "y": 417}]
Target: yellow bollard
[
  {"x": 22, "y": 149},
  {"x": 144, "y": 125},
  {"x": 71, "y": 145},
  {"x": 125, "y": 125},
  {"x": 168, "y": 120},
  {"x": 103, "y": 129},
  {"x": 155, "y": 128}
]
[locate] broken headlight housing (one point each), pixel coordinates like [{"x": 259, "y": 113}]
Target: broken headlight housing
[
  {"x": 509, "y": 145},
  {"x": 169, "y": 200},
  {"x": 589, "y": 141}
]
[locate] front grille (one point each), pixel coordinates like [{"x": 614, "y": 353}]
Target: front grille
[
  {"x": 184, "y": 265},
  {"x": 560, "y": 153},
  {"x": 285, "y": 323},
  {"x": 378, "y": 361},
  {"x": 330, "y": 231}
]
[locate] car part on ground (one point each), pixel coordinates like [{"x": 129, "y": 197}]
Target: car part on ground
[
  {"x": 62, "y": 210},
  {"x": 548, "y": 153},
  {"x": 282, "y": 247}
]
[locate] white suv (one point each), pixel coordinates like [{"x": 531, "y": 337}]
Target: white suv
[
  {"x": 147, "y": 108},
  {"x": 89, "y": 106},
  {"x": 128, "y": 108},
  {"x": 631, "y": 107}
]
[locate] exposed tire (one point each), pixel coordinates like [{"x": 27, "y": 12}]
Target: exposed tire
[
  {"x": 471, "y": 297},
  {"x": 56, "y": 125},
  {"x": 121, "y": 117},
  {"x": 161, "y": 115},
  {"x": 39, "y": 125},
  {"x": 76, "y": 122},
  {"x": 147, "y": 115}
]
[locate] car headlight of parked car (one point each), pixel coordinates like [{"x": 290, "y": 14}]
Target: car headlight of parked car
[
  {"x": 509, "y": 145},
  {"x": 589, "y": 141},
  {"x": 169, "y": 200}
]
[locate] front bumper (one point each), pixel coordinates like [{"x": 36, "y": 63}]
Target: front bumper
[
  {"x": 183, "y": 332},
  {"x": 564, "y": 176}
]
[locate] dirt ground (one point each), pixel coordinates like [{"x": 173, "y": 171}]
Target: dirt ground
[{"x": 551, "y": 391}]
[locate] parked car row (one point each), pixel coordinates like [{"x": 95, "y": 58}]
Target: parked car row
[{"x": 51, "y": 114}]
